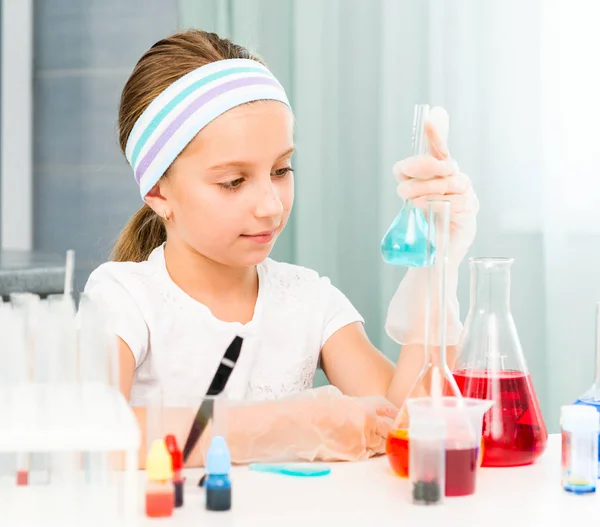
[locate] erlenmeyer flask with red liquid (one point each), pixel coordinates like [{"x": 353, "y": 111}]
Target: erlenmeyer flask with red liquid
[{"x": 491, "y": 365}]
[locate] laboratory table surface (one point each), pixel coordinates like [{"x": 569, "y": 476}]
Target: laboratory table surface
[{"x": 368, "y": 494}]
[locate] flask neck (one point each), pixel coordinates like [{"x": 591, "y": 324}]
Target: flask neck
[
  {"x": 490, "y": 285},
  {"x": 597, "y": 369}
]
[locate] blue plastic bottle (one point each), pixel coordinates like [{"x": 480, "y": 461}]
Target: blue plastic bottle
[
  {"x": 218, "y": 484},
  {"x": 592, "y": 396}
]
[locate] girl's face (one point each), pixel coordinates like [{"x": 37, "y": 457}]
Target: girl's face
[{"x": 230, "y": 192}]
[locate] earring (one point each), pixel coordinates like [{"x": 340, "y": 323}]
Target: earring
[{"x": 165, "y": 215}]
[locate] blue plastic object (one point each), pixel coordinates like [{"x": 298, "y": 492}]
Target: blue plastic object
[
  {"x": 218, "y": 484},
  {"x": 292, "y": 469},
  {"x": 218, "y": 458}
]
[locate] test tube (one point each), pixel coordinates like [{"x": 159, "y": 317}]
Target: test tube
[
  {"x": 8, "y": 399},
  {"x": 26, "y": 304},
  {"x": 579, "y": 430},
  {"x": 427, "y": 461},
  {"x": 95, "y": 370},
  {"x": 45, "y": 337},
  {"x": 66, "y": 410},
  {"x": 62, "y": 313},
  {"x": 98, "y": 353},
  {"x": 14, "y": 366},
  {"x": 25, "y": 310}
]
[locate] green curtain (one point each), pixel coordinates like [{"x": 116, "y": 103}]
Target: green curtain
[
  {"x": 342, "y": 63},
  {"x": 354, "y": 70}
]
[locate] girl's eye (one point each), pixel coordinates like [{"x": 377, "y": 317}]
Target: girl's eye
[
  {"x": 231, "y": 185},
  {"x": 282, "y": 172}
]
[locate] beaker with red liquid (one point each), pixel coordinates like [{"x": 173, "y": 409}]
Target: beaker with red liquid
[
  {"x": 463, "y": 421},
  {"x": 491, "y": 365}
]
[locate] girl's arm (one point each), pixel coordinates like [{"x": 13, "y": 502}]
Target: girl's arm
[
  {"x": 318, "y": 424},
  {"x": 357, "y": 368},
  {"x": 126, "y": 371},
  {"x": 350, "y": 361}
]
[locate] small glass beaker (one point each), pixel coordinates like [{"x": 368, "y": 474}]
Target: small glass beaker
[{"x": 463, "y": 418}]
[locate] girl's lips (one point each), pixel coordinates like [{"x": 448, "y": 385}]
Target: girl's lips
[{"x": 261, "y": 237}]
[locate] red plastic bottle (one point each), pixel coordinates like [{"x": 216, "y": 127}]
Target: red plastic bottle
[{"x": 177, "y": 465}]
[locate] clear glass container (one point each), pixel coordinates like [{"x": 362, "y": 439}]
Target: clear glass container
[
  {"x": 427, "y": 460},
  {"x": 434, "y": 374},
  {"x": 579, "y": 460},
  {"x": 462, "y": 418},
  {"x": 591, "y": 397},
  {"x": 491, "y": 365},
  {"x": 405, "y": 242}
]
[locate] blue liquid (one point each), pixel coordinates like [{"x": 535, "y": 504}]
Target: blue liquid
[
  {"x": 580, "y": 489},
  {"x": 218, "y": 492},
  {"x": 292, "y": 469},
  {"x": 405, "y": 242},
  {"x": 596, "y": 404}
]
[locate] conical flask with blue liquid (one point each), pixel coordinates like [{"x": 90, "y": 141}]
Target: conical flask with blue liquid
[
  {"x": 592, "y": 396},
  {"x": 405, "y": 242}
]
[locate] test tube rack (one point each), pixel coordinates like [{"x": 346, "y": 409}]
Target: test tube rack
[{"x": 76, "y": 439}]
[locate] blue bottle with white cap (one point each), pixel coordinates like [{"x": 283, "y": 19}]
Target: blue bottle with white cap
[{"x": 218, "y": 484}]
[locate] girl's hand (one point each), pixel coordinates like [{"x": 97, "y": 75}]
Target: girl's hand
[
  {"x": 423, "y": 178},
  {"x": 438, "y": 177}
]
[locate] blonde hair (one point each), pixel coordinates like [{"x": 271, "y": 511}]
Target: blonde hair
[{"x": 163, "y": 64}]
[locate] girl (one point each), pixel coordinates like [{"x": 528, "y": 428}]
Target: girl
[{"x": 208, "y": 132}]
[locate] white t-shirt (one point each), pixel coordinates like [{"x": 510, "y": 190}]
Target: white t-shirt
[{"x": 178, "y": 343}]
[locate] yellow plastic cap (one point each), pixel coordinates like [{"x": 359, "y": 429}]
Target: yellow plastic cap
[{"x": 158, "y": 464}]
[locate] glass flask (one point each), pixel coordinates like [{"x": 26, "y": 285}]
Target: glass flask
[
  {"x": 491, "y": 365},
  {"x": 434, "y": 374},
  {"x": 405, "y": 242},
  {"x": 592, "y": 396}
]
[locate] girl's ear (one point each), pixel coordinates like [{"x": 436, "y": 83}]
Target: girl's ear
[{"x": 156, "y": 200}]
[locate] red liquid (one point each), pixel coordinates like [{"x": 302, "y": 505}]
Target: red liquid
[
  {"x": 397, "y": 451},
  {"x": 159, "y": 504},
  {"x": 22, "y": 477},
  {"x": 461, "y": 469},
  {"x": 523, "y": 434},
  {"x": 461, "y": 465}
]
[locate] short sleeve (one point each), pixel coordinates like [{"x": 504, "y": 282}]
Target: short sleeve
[
  {"x": 339, "y": 311},
  {"x": 123, "y": 315}
]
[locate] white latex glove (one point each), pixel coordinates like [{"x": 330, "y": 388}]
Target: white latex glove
[
  {"x": 424, "y": 178},
  {"x": 320, "y": 424}
]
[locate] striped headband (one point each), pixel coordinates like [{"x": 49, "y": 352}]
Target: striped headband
[{"x": 173, "y": 119}]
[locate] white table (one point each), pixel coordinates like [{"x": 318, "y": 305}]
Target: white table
[{"x": 369, "y": 494}]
